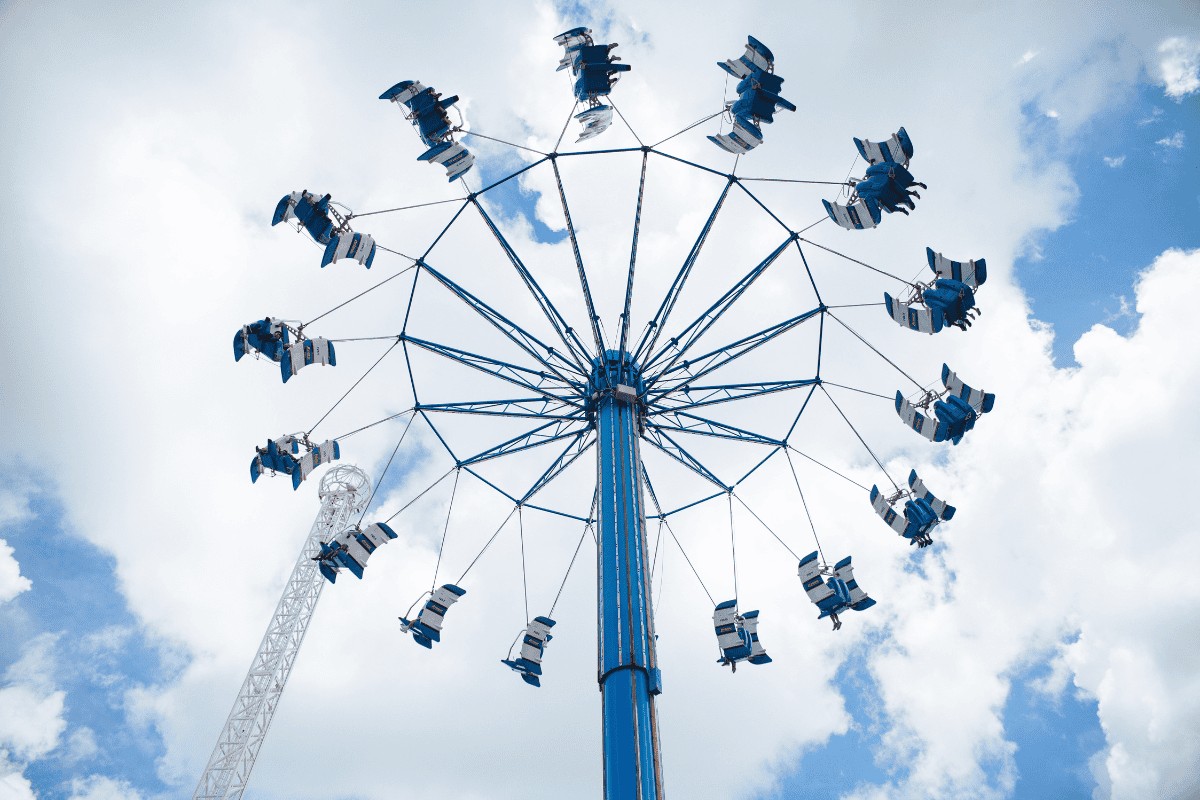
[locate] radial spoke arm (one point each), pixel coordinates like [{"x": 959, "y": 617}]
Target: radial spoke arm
[
  {"x": 521, "y": 376},
  {"x": 528, "y": 407},
  {"x": 659, "y": 438},
  {"x": 583, "y": 281},
  {"x": 668, "y": 304},
  {"x": 718, "y": 358},
  {"x": 637, "y": 225},
  {"x": 698, "y": 396},
  {"x": 552, "y": 431},
  {"x": 515, "y": 333},
  {"x": 575, "y": 448},
  {"x": 682, "y": 422},
  {"x": 569, "y": 338},
  {"x": 706, "y": 320}
]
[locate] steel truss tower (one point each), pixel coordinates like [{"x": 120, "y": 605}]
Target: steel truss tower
[{"x": 344, "y": 492}]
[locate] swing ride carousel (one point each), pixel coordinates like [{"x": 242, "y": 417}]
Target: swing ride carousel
[{"x": 680, "y": 376}]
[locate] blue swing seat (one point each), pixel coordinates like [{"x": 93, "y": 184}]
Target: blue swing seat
[
  {"x": 351, "y": 549},
  {"x": 426, "y": 628},
  {"x": 533, "y": 646}
]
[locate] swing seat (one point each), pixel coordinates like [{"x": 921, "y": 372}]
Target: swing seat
[
  {"x": 898, "y": 149},
  {"x": 758, "y": 654},
  {"x": 351, "y": 549},
  {"x": 595, "y": 122},
  {"x": 572, "y": 41},
  {"x": 427, "y": 627},
  {"x": 914, "y": 521},
  {"x": 358, "y": 246},
  {"x": 309, "y": 210},
  {"x": 829, "y": 596},
  {"x": 913, "y": 316},
  {"x": 972, "y": 273},
  {"x": 949, "y": 301},
  {"x": 732, "y": 637},
  {"x": 856, "y": 216},
  {"x": 838, "y": 598},
  {"x": 267, "y": 336},
  {"x": 944, "y": 510},
  {"x": 592, "y": 67},
  {"x": 275, "y": 457},
  {"x": 757, "y": 56},
  {"x": 309, "y": 351},
  {"x": 533, "y": 645},
  {"x": 859, "y": 601}
]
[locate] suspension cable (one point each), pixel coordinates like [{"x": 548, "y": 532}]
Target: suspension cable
[
  {"x": 501, "y": 141},
  {"x": 446, "y": 528},
  {"x": 360, "y": 294},
  {"x": 345, "y": 436},
  {"x": 831, "y": 469},
  {"x": 565, "y": 124},
  {"x": 765, "y": 525},
  {"x": 524, "y": 578},
  {"x": 804, "y": 502},
  {"x": 553, "y": 605},
  {"x": 815, "y": 224},
  {"x": 418, "y": 497},
  {"x": 851, "y": 388},
  {"x": 881, "y": 355},
  {"x": 855, "y": 260},
  {"x": 732, "y": 544},
  {"x": 488, "y": 544},
  {"x": 860, "y": 438},
  {"x": 627, "y": 125},
  {"x": 385, "y": 469},
  {"x": 689, "y": 127},
  {"x": 405, "y": 208},
  {"x": 351, "y": 389},
  {"x": 689, "y": 562}
]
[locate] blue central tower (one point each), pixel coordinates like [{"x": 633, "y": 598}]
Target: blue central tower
[{"x": 628, "y": 665}]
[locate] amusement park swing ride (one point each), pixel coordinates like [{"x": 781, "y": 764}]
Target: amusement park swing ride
[{"x": 591, "y": 392}]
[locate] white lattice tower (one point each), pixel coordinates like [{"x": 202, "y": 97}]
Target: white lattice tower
[{"x": 344, "y": 492}]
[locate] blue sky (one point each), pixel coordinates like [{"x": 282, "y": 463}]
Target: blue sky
[{"x": 90, "y": 628}]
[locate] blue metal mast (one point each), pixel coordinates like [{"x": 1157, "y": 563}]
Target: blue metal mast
[{"x": 628, "y": 666}]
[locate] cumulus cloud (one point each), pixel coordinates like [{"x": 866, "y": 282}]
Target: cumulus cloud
[
  {"x": 1079, "y": 427},
  {"x": 1028, "y": 56},
  {"x": 1180, "y": 66},
  {"x": 1114, "y": 162},
  {"x": 31, "y": 709},
  {"x": 12, "y": 583},
  {"x": 101, "y": 787},
  {"x": 1175, "y": 141}
]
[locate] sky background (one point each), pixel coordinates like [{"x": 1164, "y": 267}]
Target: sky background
[{"x": 1041, "y": 648}]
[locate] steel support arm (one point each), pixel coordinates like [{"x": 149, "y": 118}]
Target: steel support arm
[
  {"x": 700, "y": 325},
  {"x": 593, "y": 320},
  {"x": 699, "y": 396},
  {"x": 528, "y": 407},
  {"x": 668, "y": 304},
  {"x": 568, "y": 336},
  {"x": 718, "y": 358},
  {"x": 658, "y": 437},
  {"x": 529, "y": 343},
  {"x": 552, "y": 431},
  {"x": 521, "y": 376},
  {"x": 682, "y": 422},
  {"x": 575, "y": 448}
]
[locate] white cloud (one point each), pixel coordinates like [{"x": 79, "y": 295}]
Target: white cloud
[
  {"x": 1180, "y": 66},
  {"x": 1175, "y": 141},
  {"x": 1052, "y": 114},
  {"x": 13, "y": 783},
  {"x": 81, "y": 744},
  {"x": 1155, "y": 116},
  {"x": 31, "y": 708},
  {"x": 1114, "y": 162},
  {"x": 1027, "y": 57},
  {"x": 100, "y": 787},
  {"x": 12, "y": 583}
]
